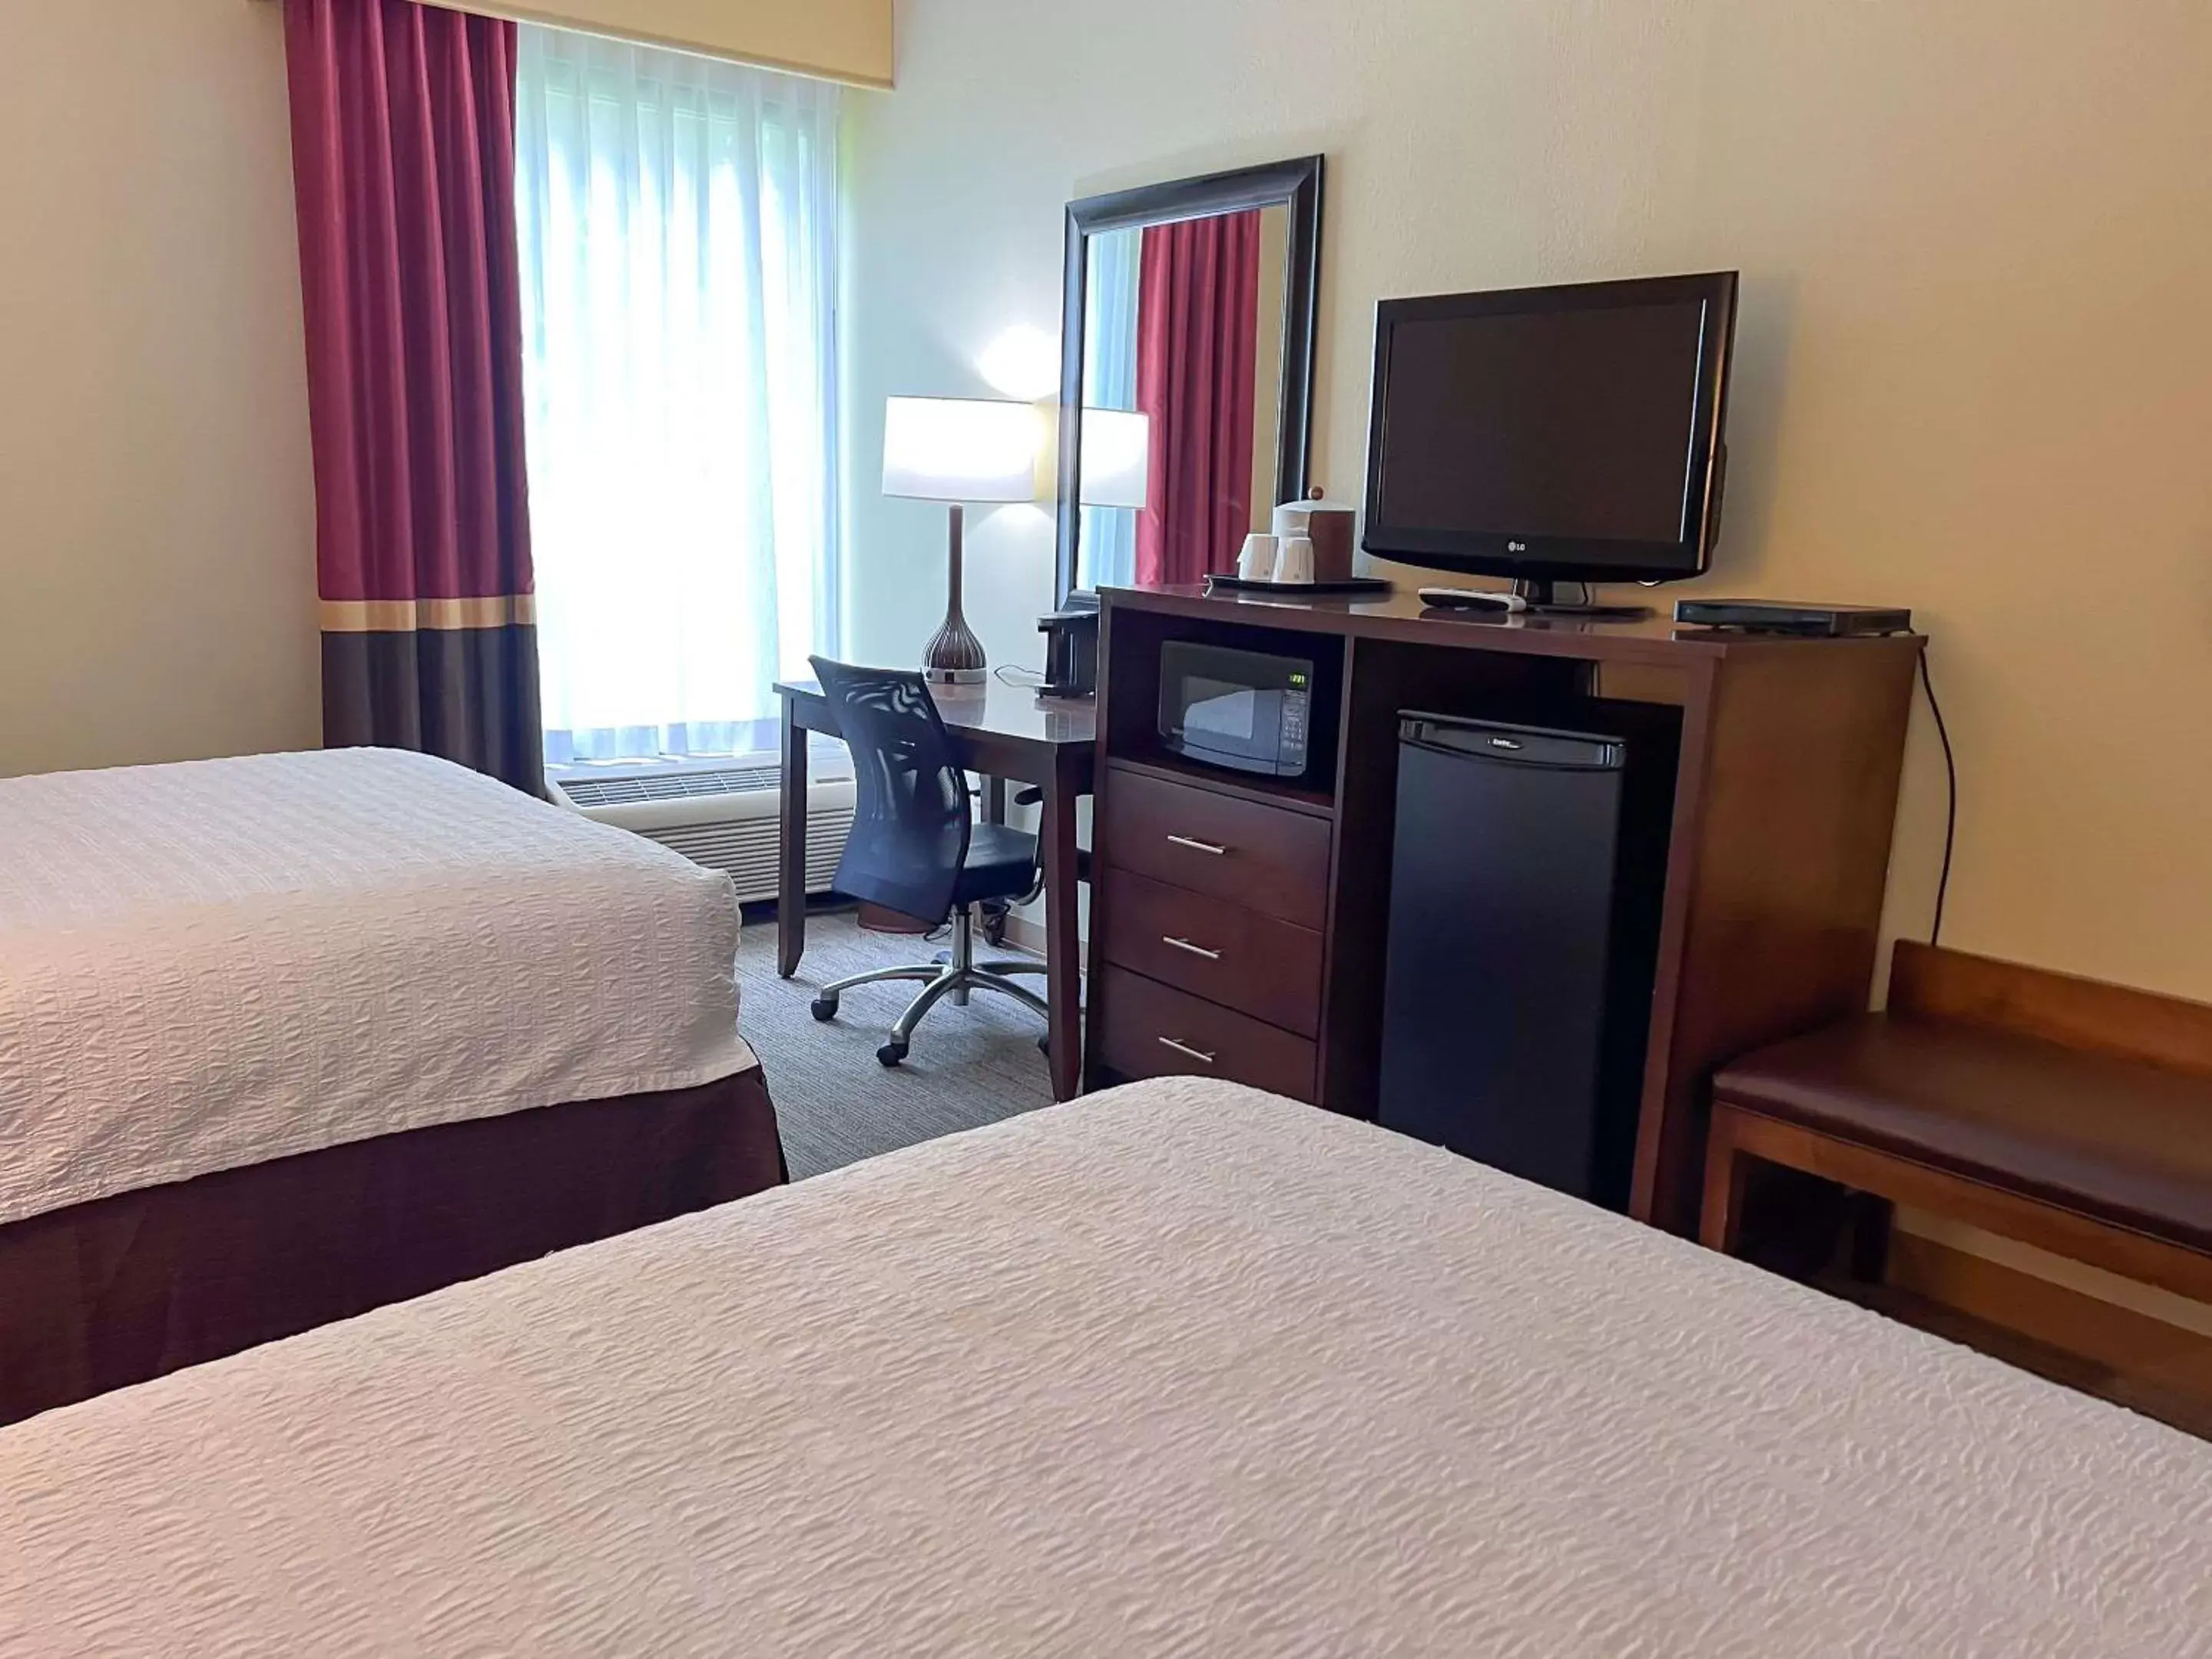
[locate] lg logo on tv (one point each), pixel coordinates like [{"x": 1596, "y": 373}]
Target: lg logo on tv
[{"x": 1516, "y": 547}]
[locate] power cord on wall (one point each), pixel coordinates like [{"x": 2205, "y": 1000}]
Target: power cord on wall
[{"x": 1951, "y": 806}]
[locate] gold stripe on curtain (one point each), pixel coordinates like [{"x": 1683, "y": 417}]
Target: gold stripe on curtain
[{"x": 411, "y": 616}]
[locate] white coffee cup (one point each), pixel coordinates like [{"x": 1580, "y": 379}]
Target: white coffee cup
[
  {"x": 1294, "y": 559},
  {"x": 1256, "y": 564}
]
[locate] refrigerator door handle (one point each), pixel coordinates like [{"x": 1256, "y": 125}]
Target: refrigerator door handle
[{"x": 1522, "y": 761}]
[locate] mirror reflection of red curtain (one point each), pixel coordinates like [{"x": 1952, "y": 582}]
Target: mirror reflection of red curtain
[{"x": 1198, "y": 343}]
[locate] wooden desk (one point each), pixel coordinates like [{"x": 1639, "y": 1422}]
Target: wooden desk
[{"x": 1007, "y": 733}]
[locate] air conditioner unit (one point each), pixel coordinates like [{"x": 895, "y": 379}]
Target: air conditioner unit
[{"x": 726, "y": 817}]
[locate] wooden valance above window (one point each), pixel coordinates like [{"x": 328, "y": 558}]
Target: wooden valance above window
[{"x": 848, "y": 41}]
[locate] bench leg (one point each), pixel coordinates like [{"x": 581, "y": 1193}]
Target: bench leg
[
  {"x": 1872, "y": 1217},
  {"x": 1728, "y": 1171}
]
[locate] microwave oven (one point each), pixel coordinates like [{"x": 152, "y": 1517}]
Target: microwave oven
[{"x": 1249, "y": 711}]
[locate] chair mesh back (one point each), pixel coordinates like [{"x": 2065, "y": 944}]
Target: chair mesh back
[{"x": 911, "y": 823}]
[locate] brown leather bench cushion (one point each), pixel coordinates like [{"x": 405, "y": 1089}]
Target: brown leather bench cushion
[{"x": 2128, "y": 1143}]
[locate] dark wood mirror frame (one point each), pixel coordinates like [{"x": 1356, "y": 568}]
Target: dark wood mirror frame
[{"x": 1295, "y": 184}]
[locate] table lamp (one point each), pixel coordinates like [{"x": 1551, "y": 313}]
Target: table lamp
[
  {"x": 1116, "y": 462},
  {"x": 958, "y": 450}
]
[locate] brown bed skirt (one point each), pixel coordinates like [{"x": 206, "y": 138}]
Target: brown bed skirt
[{"x": 105, "y": 1294}]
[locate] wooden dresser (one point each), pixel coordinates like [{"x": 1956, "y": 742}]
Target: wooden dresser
[
  {"x": 1212, "y": 926},
  {"x": 1238, "y": 926}
]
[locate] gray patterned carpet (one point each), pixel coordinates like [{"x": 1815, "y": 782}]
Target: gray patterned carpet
[{"x": 835, "y": 1104}]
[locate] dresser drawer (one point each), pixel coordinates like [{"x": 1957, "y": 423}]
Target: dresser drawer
[
  {"x": 1149, "y": 1030},
  {"x": 1268, "y": 859},
  {"x": 1223, "y": 952}
]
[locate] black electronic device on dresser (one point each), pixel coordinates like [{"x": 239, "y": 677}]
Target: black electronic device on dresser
[
  {"x": 1071, "y": 654},
  {"x": 1248, "y": 711}
]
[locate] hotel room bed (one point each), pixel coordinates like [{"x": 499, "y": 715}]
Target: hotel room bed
[
  {"x": 1178, "y": 1368},
  {"x": 286, "y": 1037}
]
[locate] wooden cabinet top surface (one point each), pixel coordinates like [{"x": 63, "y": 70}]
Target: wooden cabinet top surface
[{"x": 1401, "y": 615}]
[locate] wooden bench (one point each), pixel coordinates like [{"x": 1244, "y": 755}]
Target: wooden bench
[{"x": 2069, "y": 1115}]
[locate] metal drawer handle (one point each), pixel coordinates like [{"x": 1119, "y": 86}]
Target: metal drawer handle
[
  {"x": 1199, "y": 846},
  {"x": 1197, "y": 1054},
  {"x": 1185, "y": 944}
]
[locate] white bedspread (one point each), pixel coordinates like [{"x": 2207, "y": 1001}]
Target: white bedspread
[
  {"x": 1183, "y": 1369},
  {"x": 210, "y": 965}
]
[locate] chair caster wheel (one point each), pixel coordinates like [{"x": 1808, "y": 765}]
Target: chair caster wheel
[
  {"x": 824, "y": 1008},
  {"x": 892, "y": 1053}
]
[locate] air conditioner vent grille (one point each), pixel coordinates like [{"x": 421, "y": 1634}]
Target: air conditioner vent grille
[
  {"x": 748, "y": 850},
  {"x": 671, "y": 785}
]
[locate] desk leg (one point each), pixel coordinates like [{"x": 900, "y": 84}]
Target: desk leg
[
  {"x": 994, "y": 911},
  {"x": 791, "y": 853},
  {"x": 1063, "y": 966}
]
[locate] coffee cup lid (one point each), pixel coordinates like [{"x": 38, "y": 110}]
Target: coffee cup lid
[{"x": 1315, "y": 503}]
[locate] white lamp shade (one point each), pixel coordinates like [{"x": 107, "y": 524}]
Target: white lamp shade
[
  {"x": 1116, "y": 462},
  {"x": 960, "y": 449}
]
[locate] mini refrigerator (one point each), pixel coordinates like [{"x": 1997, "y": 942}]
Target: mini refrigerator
[{"x": 1527, "y": 868}]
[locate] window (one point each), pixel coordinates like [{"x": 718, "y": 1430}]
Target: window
[
  {"x": 677, "y": 218},
  {"x": 1108, "y": 534}
]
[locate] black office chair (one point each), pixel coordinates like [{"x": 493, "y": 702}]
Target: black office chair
[{"x": 914, "y": 846}]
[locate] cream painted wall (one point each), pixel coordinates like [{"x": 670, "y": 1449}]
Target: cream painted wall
[
  {"x": 1976, "y": 374},
  {"x": 841, "y": 40},
  {"x": 156, "y": 502}
]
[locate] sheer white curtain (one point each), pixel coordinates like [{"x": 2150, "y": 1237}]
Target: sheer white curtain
[{"x": 679, "y": 224}]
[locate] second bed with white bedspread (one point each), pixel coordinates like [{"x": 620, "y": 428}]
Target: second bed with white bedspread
[{"x": 214, "y": 965}]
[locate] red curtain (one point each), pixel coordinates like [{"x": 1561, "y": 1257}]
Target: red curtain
[
  {"x": 402, "y": 156},
  {"x": 1198, "y": 342}
]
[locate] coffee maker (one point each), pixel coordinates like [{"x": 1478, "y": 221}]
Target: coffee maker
[{"x": 1071, "y": 654}]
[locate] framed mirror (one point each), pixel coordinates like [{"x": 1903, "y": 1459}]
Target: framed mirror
[{"x": 1186, "y": 394}]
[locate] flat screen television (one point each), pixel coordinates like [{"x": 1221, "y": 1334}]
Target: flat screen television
[{"x": 1553, "y": 433}]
